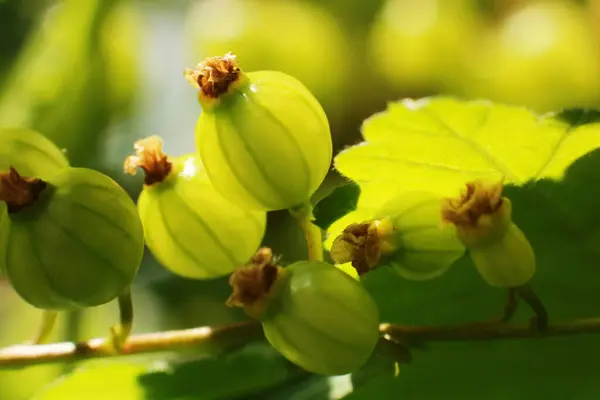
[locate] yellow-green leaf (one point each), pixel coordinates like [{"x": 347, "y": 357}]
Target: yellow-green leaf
[{"x": 440, "y": 143}]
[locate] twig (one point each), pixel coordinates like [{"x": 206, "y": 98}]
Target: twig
[
  {"x": 228, "y": 337},
  {"x": 490, "y": 331},
  {"x": 210, "y": 339}
]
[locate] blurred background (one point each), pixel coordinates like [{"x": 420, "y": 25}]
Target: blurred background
[{"x": 96, "y": 75}]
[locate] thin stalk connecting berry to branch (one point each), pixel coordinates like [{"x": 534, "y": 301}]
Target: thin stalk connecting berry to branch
[{"x": 312, "y": 233}]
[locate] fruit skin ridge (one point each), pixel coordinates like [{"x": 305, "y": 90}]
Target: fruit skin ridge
[
  {"x": 191, "y": 229},
  {"x": 322, "y": 319},
  {"x": 79, "y": 246},
  {"x": 266, "y": 143}
]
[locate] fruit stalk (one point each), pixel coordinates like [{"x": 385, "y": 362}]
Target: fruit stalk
[
  {"x": 120, "y": 332},
  {"x": 312, "y": 233},
  {"x": 46, "y": 326}
]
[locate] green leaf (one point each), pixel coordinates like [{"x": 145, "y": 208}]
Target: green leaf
[
  {"x": 440, "y": 143},
  {"x": 99, "y": 381},
  {"x": 552, "y": 168},
  {"x": 340, "y": 202},
  {"x": 254, "y": 369}
]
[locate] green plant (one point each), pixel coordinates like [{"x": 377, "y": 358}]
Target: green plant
[{"x": 399, "y": 218}]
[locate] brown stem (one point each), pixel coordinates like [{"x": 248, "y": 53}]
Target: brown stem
[
  {"x": 210, "y": 339},
  {"x": 224, "y": 338}
]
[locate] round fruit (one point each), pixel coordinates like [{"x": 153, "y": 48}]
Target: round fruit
[
  {"x": 499, "y": 249},
  {"x": 314, "y": 314},
  {"x": 74, "y": 241},
  {"x": 406, "y": 235},
  {"x": 189, "y": 227},
  {"x": 296, "y": 38},
  {"x": 263, "y": 137},
  {"x": 30, "y": 153}
]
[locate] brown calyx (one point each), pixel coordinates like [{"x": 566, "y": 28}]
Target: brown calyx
[
  {"x": 477, "y": 199},
  {"x": 252, "y": 283},
  {"x": 150, "y": 157},
  {"x": 18, "y": 191},
  {"x": 214, "y": 75},
  {"x": 359, "y": 244}
]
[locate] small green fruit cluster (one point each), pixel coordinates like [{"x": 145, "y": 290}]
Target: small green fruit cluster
[
  {"x": 70, "y": 237},
  {"x": 313, "y": 313}
]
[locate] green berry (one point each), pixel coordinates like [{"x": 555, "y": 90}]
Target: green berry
[
  {"x": 30, "y": 153},
  {"x": 188, "y": 225},
  {"x": 405, "y": 234},
  {"x": 499, "y": 249},
  {"x": 263, "y": 137},
  {"x": 313, "y": 313},
  {"x": 74, "y": 241}
]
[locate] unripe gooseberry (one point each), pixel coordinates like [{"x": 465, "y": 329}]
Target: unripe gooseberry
[
  {"x": 263, "y": 137},
  {"x": 189, "y": 226},
  {"x": 30, "y": 153},
  {"x": 499, "y": 249},
  {"x": 314, "y": 314},
  {"x": 73, "y": 241},
  {"x": 406, "y": 234}
]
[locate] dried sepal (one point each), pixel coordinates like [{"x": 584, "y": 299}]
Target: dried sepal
[
  {"x": 149, "y": 156},
  {"x": 362, "y": 244},
  {"x": 214, "y": 75},
  {"x": 252, "y": 284},
  {"x": 480, "y": 213},
  {"x": 18, "y": 191},
  {"x": 479, "y": 198}
]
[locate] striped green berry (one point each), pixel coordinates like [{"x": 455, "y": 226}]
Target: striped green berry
[
  {"x": 263, "y": 137},
  {"x": 73, "y": 241},
  {"x": 191, "y": 229},
  {"x": 313, "y": 313}
]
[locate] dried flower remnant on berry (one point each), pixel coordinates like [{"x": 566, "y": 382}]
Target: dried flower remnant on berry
[
  {"x": 499, "y": 249},
  {"x": 362, "y": 244},
  {"x": 19, "y": 192},
  {"x": 252, "y": 284},
  {"x": 480, "y": 214},
  {"x": 151, "y": 158},
  {"x": 214, "y": 75},
  {"x": 478, "y": 199}
]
